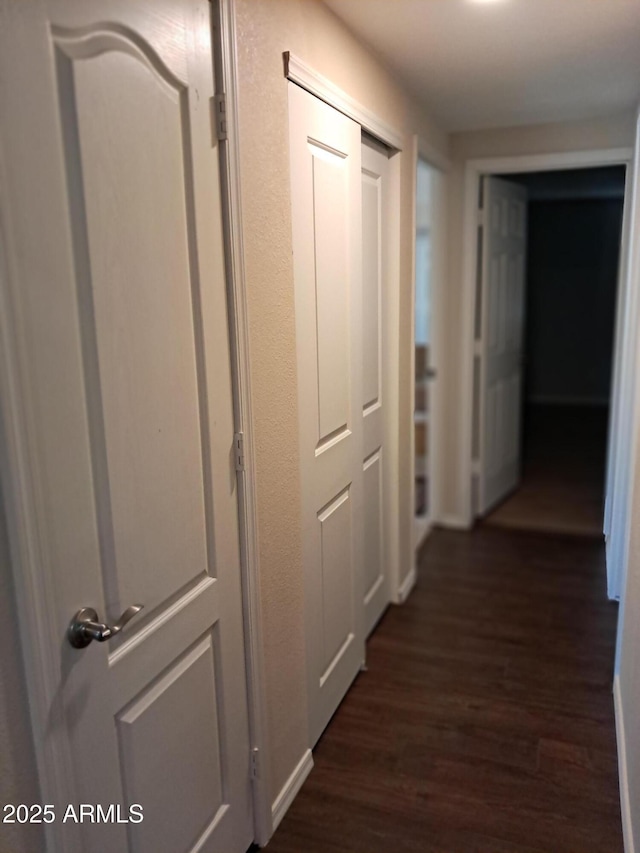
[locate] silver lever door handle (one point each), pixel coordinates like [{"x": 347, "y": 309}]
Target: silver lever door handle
[{"x": 84, "y": 627}]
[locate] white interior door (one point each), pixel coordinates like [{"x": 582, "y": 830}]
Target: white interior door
[
  {"x": 375, "y": 189},
  {"x": 503, "y": 305},
  {"x": 325, "y": 182},
  {"x": 120, "y": 338}
]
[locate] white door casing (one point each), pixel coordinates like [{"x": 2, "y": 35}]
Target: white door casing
[
  {"x": 121, "y": 392},
  {"x": 326, "y": 214},
  {"x": 375, "y": 206},
  {"x": 502, "y": 330},
  {"x": 623, "y": 407},
  {"x": 474, "y": 171}
]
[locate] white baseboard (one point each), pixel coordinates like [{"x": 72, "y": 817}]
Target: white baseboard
[
  {"x": 406, "y": 586},
  {"x": 291, "y": 788},
  {"x": 455, "y": 522},
  {"x": 625, "y": 804}
]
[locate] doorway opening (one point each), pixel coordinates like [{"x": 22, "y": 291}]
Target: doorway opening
[
  {"x": 424, "y": 372},
  {"x": 547, "y": 295},
  {"x": 430, "y": 237}
]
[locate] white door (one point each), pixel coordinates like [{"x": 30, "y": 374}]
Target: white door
[
  {"x": 502, "y": 302},
  {"x": 325, "y": 182},
  {"x": 375, "y": 189},
  {"x": 120, "y": 341}
]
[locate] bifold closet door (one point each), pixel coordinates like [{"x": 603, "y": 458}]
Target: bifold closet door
[
  {"x": 325, "y": 149},
  {"x": 375, "y": 189}
]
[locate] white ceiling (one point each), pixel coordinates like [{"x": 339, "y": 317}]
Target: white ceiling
[{"x": 477, "y": 65}]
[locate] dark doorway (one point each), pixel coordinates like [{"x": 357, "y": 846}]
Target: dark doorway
[{"x": 573, "y": 252}]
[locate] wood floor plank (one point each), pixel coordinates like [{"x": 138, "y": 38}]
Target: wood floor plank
[{"x": 484, "y": 723}]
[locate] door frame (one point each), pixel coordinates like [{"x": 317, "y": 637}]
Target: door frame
[
  {"x": 297, "y": 71},
  {"x": 20, "y": 493},
  {"x": 422, "y": 150},
  {"x": 227, "y": 86},
  {"x": 624, "y": 345}
]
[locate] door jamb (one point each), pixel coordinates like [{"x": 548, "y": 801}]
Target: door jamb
[
  {"x": 622, "y": 465},
  {"x": 227, "y": 85},
  {"x": 630, "y": 388},
  {"x": 421, "y": 150},
  {"x": 474, "y": 169},
  {"x": 297, "y": 71}
]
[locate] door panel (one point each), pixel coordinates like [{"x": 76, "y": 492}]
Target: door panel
[
  {"x": 138, "y": 292},
  {"x": 124, "y": 353},
  {"x": 371, "y": 285},
  {"x": 325, "y": 173},
  {"x": 331, "y": 268},
  {"x": 375, "y": 189},
  {"x": 336, "y": 531},
  {"x": 181, "y": 712},
  {"x": 374, "y": 569},
  {"x": 504, "y": 249}
]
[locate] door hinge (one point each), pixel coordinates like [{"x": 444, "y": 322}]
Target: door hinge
[
  {"x": 481, "y": 216},
  {"x": 220, "y": 116},
  {"x": 238, "y": 449},
  {"x": 255, "y": 763}
]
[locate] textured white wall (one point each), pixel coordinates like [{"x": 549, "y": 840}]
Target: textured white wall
[{"x": 308, "y": 29}]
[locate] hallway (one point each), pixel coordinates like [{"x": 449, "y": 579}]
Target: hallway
[{"x": 484, "y": 723}]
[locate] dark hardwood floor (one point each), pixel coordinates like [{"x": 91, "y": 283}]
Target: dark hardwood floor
[{"x": 484, "y": 723}]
